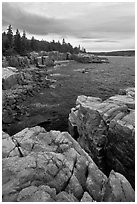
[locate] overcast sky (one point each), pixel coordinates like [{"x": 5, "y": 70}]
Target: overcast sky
[{"x": 95, "y": 26}]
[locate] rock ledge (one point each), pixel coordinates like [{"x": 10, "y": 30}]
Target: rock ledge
[{"x": 40, "y": 166}]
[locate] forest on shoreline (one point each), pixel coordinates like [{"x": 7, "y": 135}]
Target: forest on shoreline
[{"x": 13, "y": 44}]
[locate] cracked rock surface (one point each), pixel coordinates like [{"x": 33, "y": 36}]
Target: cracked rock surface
[
  {"x": 106, "y": 131},
  {"x": 40, "y": 166}
]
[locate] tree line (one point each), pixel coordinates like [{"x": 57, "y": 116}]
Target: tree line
[{"x": 13, "y": 44}]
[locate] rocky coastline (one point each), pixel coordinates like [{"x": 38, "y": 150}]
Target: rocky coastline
[
  {"x": 94, "y": 162},
  {"x": 40, "y": 166}
]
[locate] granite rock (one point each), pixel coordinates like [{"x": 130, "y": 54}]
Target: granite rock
[
  {"x": 106, "y": 131},
  {"x": 43, "y": 166}
]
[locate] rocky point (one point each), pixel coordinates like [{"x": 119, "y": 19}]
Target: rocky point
[{"x": 94, "y": 163}]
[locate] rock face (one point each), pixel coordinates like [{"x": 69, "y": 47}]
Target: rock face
[
  {"x": 40, "y": 166},
  {"x": 106, "y": 130},
  {"x": 18, "y": 86}
]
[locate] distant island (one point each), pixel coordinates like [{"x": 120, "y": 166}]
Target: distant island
[{"x": 115, "y": 53}]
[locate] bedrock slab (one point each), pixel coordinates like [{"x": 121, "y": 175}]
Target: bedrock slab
[
  {"x": 106, "y": 131},
  {"x": 40, "y": 166}
]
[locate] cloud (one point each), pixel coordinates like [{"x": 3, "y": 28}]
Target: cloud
[
  {"x": 32, "y": 23},
  {"x": 105, "y": 22},
  {"x": 98, "y": 41}
]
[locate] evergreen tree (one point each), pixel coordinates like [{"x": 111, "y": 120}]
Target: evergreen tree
[
  {"x": 63, "y": 41},
  {"x": 23, "y": 44},
  {"x": 12, "y": 45},
  {"x": 5, "y": 43},
  {"x": 32, "y": 43},
  {"x": 79, "y": 48},
  {"x": 83, "y": 50},
  {"x": 10, "y": 36},
  {"x": 17, "y": 42},
  {"x": 75, "y": 50}
]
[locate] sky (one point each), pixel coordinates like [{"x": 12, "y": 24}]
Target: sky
[{"x": 96, "y": 26}]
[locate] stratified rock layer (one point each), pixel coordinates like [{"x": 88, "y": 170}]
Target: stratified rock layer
[
  {"x": 40, "y": 166},
  {"x": 106, "y": 130}
]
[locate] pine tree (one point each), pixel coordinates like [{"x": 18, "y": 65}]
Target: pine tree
[
  {"x": 84, "y": 50},
  {"x": 63, "y": 41},
  {"x": 11, "y": 45},
  {"x": 10, "y": 36},
  {"x": 23, "y": 44},
  {"x": 79, "y": 48},
  {"x": 17, "y": 42},
  {"x": 5, "y": 42},
  {"x": 32, "y": 43}
]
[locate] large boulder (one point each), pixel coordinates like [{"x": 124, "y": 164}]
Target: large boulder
[
  {"x": 106, "y": 130},
  {"x": 9, "y": 77},
  {"x": 119, "y": 189},
  {"x": 40, "y": 166}
]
